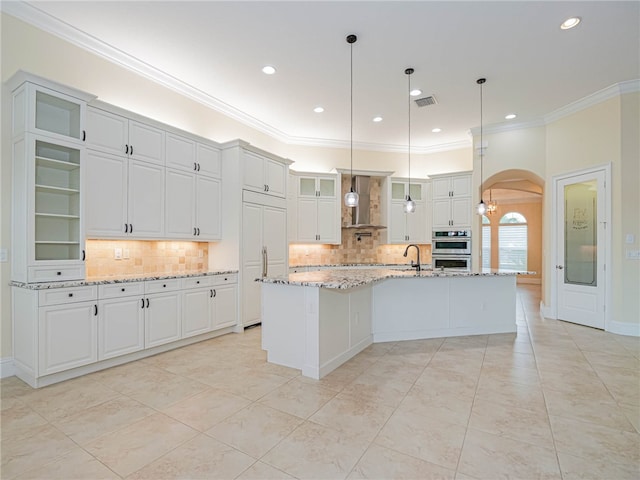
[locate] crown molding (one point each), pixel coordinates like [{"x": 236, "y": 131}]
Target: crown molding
[
  {"x": 506, "y": 127},
  {"x": 600, "y": 96},
  {"x": 378, "y": 147}
]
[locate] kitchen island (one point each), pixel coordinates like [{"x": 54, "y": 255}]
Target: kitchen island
[{"x": 316, "y": 321}]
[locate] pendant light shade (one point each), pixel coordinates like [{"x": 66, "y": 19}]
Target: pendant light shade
[
  {"x": 409, "y": 205},
  {"x": 351, "y": 198},
  {"x": 481, "y": 208}
]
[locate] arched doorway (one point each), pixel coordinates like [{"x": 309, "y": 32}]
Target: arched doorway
[{"x": 514, "y": 192}]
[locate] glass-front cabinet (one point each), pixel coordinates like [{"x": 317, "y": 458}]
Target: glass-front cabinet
[{"x": 48, "y": 152}]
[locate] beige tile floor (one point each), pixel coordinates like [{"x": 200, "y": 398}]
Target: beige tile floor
[{"x": 555, "y": 400}]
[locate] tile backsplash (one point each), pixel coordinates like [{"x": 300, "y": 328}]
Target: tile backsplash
[{"x": 145, "y": 257}]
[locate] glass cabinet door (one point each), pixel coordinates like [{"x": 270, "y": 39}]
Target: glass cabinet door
[
  {"x": 307, "y": 187},
  {"x": 57, "y": 113},
  {"x": 327, "y": 187}
]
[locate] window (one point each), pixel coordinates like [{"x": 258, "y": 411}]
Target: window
[
  {"x": 486, "y": 242},
  {"x": 512, "y": 242}
]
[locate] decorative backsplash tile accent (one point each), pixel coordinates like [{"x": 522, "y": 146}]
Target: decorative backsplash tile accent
[
  {"x": 366, "y": 250},
  {"x": 145, "y": 257}
]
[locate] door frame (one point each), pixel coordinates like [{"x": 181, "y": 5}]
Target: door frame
[{"x": 556, "y": 211}]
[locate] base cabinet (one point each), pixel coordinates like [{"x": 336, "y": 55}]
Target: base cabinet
[
  {"x": 67, "y": 336},
  {"x": 162, "y": 317},
  {"x": 120, "y": 326},
  {"x": 61, "y": 333}
]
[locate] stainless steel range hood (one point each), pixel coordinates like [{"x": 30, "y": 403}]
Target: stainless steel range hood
[{"x": 361, "y": 215}]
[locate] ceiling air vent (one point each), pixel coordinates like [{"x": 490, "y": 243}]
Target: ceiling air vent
[{"x": 426, "y": 101}]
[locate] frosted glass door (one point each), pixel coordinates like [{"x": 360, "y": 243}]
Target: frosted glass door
[{"x": 580, "y": 249}]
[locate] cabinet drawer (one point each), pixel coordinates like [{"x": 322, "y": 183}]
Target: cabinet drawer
[
  {"x": 57, "y": 296},
  {"x": 196, "y": 282},
  {"x": 120, "y": 290},
  {"x": 54, "y": 274},
  {"x": 225, "y": 279},
  {"x": 156, "y": 286}
]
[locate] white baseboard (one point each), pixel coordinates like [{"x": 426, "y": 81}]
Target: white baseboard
[
  {"x": 624, "y": 328},
  {"x": 7, "y": 369},
  {"x": 546, "y": 311}
]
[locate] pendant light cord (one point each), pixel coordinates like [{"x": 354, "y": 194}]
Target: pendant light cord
[
  {"x": 351, "y": 113},
  {"x": 480, "y": 82},
  {"x": 409, "y": 135}
]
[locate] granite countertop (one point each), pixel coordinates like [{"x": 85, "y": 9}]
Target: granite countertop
[
  {"x": 109, "y": 280},
  {"x": 352, "y": 278},
  {"x": 357, "y": 265}
]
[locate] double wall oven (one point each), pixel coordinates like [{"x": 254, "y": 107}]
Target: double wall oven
[{"x": 451, "y": 250}]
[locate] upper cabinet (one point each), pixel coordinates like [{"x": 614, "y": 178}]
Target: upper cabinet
[
  {"x": 264, "y": 175},
  {"x": 317, "y": 209},
  {"x": 186, "y": 154},
  {"x": 452, "y": 201},
  {"x": 41, "y": 110},
  {"x": 150, "y": 182},
  {"x": 414, "y": 227},
  {"x": 448, "y": 186},
  {"x": 111, "y": 133}
]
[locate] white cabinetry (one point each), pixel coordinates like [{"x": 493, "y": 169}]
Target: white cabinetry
[
  {"x": 48, "y": 181},
  {"x": 120, "y": 319},
  {"x": 263, "y": 174},
  {"x": 126, "y": 198},
  {"x": 264, "y": 248},
  {"x": 254, "y": 222},
  {"x": 317, "y": 209},
  {"x": 186, "y": 154},
  {"x": 412, "y": 227},
  {"x": 209, "y": 303},
  {"x": 452, "y": 201},
  {"x": 162, "y": 316},
  {"x": 192, "y": 205},
  {"x": 112, "y": 133}
]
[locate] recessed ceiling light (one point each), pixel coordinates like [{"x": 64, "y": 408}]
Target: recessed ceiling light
[
  {"x": 570, "y": 23},
  {"x": 269, "y": 70},
  {"x": 377, "y": 119},
  {"x": 318, "y": 109},
  {"x": 511, "y": 116},
  {"x": 436, "y": 130},
  {"x": 415, "y": 92}
]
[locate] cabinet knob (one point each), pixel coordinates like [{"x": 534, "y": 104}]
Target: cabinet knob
[
  {"x": 122, "y": 289},
  {"x": 58, "y": 273},
  {"x": 164, "y": 285},
  {"x": 71, "y": 294}
]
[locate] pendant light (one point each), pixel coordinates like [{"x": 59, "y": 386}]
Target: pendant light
[
  {"x": 481, "y": 208},
  {"x": 351, "y": 198},
  {"x": 409, "y": 205}
]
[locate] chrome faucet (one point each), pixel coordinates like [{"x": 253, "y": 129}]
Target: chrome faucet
[{"x": 417, "y": 264}]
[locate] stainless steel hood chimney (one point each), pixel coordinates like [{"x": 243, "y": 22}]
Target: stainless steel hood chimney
[{"x": 361, "y": 215}]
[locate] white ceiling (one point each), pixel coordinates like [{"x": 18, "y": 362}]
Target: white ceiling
[{"x": 218, "y": 48}]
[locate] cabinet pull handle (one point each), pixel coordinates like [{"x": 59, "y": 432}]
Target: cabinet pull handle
[
  {"x": 126, "y": 228},
  {"x": 58, "y": 273},
  {"x": 147, "y": 303},
  {"x": 84, "y": 255},
  {"x": 71, "y": 294},
  {"x": 267, "y": 188},
  {"x": 211, "y": 293},
  {"x": 142, "y": 306},
  {"x": 198, "y": 167},
  {"x": 95, "y": 310},
  {"x": 84, "y": 135},
  {"x": 194, "y": 231},
  {"x": 131, "y": 148},
  {"x": 198, "y": 231},
  {"x": 214, "y": 293},
  {"x": 194, "y": 166},
  {"x": 126, "y": 150},
  {"x": 131, "y": 228}
]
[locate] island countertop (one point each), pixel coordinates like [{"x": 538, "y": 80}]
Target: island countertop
[{"x": 354, "y": 277}]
